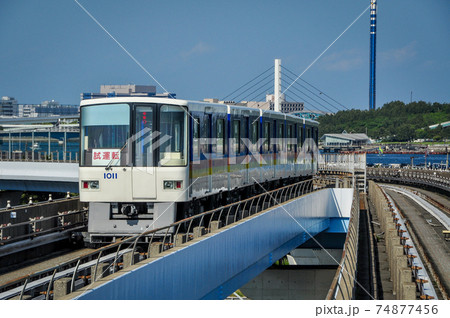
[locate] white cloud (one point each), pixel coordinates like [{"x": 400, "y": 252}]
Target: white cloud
[
  {"x": 347, "y": 60},
  {"x": 198, "y": 49},
  {"x": 400, "y": 55}
]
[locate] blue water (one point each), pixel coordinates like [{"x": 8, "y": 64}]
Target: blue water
[
  {"x": 22, "y": 142},
  {"x": 405, "y": 159}
]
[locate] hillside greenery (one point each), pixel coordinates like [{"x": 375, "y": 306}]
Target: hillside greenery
[{"x": 394, "y": 122}]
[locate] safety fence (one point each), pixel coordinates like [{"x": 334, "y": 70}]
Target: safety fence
[
  {"x": 40, "y": 156},
  {"x": 87, "y": 269},
  {"x": 37, "y": 219},
  {"x": 350, "y": 162},
  {"x": 432, "y": 178},
  {"x": 343, "y": 284}
]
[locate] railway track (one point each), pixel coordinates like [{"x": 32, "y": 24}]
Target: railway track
[{"x": 426, "y": 230}]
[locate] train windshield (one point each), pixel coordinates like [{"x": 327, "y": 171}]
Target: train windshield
[{"x": 105, "y": 130}]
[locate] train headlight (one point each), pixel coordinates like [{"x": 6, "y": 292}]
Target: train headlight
[
  {"x": 94, "y": 185},
  {"x": 173, "y": 185},
  {"x": 168, "y": 184}
]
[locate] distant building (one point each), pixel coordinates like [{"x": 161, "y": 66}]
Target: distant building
[
  {"x": 8, "y": 106},
  {"x": 126, "y": 90},
  {"x": 285, "y": 107},
  {"x": 53, "y": 108},
  {"x": 27, "y": 110},
  {"x": 309, "y": 114},
  {"x": 344, "y": 140}
]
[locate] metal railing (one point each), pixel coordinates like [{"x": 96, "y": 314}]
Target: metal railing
[
  {"x": 40, "y": 156},
  {"x": 343, "y": 284},
  {"x": 433, "y": 178},
  {"x": 343, "y": 162},
  {"x": 84, "y": 270},
  {"x": 36, "y": 219}
]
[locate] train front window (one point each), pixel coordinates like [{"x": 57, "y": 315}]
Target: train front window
[
  {"x": 105, "y": 130},
  {"x": 143, "y": 150},
  {"x": 173, "y": 138}
]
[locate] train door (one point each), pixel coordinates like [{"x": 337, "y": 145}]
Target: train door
[
  {"x": 209, "y": 130},
  {"x": 247, "y": 152},
  {"x": 143, "y": 176}
]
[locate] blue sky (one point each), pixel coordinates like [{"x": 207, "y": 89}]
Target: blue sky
[{"x": 51, "y": 49}]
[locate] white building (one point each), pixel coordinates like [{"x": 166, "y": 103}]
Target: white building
[{"x": 8, "y": 106}]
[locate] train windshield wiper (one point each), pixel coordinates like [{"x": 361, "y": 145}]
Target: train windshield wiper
[{"x": 108, "y": 166}]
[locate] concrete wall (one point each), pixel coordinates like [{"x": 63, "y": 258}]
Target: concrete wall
[{"x": 300, "y": 284}]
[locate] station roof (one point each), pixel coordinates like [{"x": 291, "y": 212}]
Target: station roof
[{"x": 346, "y": 136}]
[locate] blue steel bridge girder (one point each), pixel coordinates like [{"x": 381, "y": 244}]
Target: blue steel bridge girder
[{"x": 217, "y": 264}]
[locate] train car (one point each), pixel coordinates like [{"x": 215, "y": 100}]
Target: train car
[{"x": 147, "y": 161}]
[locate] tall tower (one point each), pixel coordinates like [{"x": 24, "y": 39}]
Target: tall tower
[
  {"x": 277, "y": 85},
  {"x": 373, "y": 49}
]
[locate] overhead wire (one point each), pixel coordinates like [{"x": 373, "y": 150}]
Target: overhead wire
[
  {"x": 224, "y": 98},
  {"x": 266, "y": 85},
  {"x": 301, "y": 98},
  {"x": 310, "y": 97},
  {"x": 319, "y": 90},
  {"x": 257, "y": 83}
]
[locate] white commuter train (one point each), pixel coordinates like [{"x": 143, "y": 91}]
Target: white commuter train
[{"x": 147, "y": 161}]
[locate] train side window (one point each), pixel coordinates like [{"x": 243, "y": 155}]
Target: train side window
[
  {"x": 254, "y": 135},
  {"x": 196, "y": 138},
  {"x": 299, "y": 137},
  {"x": 237, "y": 136},
  {"x": 220, "y": 136},
  {"x": 266, "y": 137},
  {"x": 280, "y": 137},
  {"x": 289, "y": 136}
]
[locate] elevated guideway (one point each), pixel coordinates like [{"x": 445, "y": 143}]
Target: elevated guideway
[
  {"x": 213, "y": 266},
  {"x": 207, "y": 256},
  {"x": 39, "y": 176}
]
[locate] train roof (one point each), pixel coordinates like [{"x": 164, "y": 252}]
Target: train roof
[{"x": 182, "y": 102}]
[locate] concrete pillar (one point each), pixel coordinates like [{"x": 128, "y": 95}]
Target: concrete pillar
[
  {"x": 128, "y": 257},
  {"x": 214, "y": 226},
  {"x": 398, "y": 262},
  {"x": 155, "y": 249},
  {"x": 390, "y": 236},
  {"x": 198, "y": 231},
  {"x": 180, "y": 239},
  {"x": 404, "y": 276},
  {"x": 61, "y": 287},
  {"x": 102, "y": 271},
  {"x": 409, "y": 291},
  {"x": 396, "y": 251}
]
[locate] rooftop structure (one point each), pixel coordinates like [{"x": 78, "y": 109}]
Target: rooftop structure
[
  {"x": 309, "y": 114},
  {"x": 269, "y": 104},
  {"x": 126, "y": 90},
  {"x": 345, "y": 140}
]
